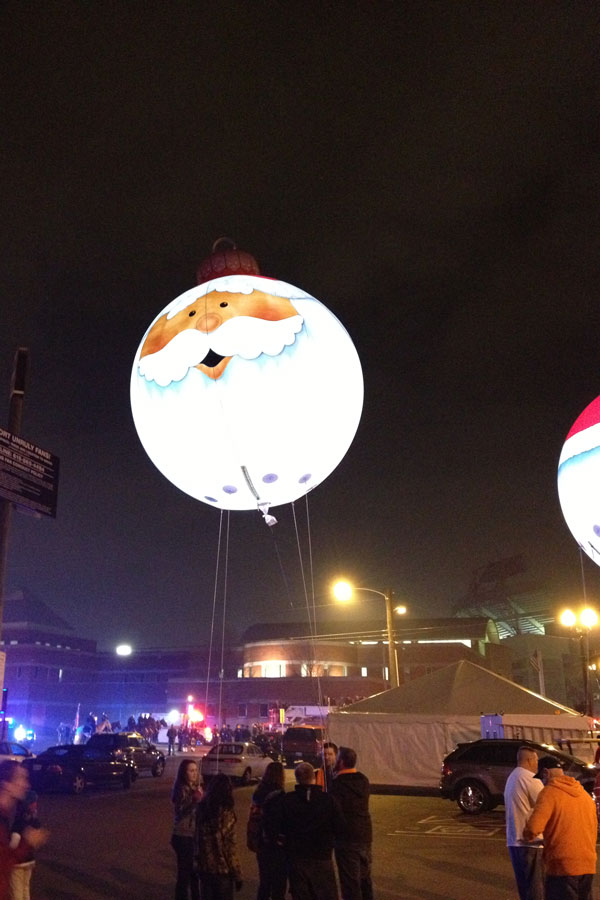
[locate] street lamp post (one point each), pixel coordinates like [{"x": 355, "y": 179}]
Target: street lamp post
[
  {"x": 343, "y": 592},
  {"x": 583, "y": 624},
  {"x": 123, "y": 650}
]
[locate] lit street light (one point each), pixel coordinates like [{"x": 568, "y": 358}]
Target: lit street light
[
  {"x": 123, "y": 650},
  {"x": 343, "y": 591},
  {"x": 583, "y": 624}
]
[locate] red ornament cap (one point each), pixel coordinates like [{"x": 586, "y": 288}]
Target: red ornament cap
[{"x": 226, "y": 259}]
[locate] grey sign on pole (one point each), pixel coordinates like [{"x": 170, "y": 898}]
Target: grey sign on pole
[{"x": 28, "y": 474}]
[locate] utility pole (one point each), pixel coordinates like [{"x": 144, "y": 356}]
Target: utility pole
[
  {"x": 393, "y": 662},
  {"x": 15, "y": 416}
]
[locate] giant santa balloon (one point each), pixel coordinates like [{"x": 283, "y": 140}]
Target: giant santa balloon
[
  {"x": 579, "y": 480},
  {"x": 246, "y": 392}
]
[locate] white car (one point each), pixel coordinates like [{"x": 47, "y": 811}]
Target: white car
[
  {"x": 10, "y": 750},
  {"x": 241, "y": 760}
]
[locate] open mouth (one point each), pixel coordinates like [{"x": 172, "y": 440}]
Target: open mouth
[{"x": 211, "y": 359}]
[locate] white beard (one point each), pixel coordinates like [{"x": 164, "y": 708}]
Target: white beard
[{"x": 243, "y": 336}]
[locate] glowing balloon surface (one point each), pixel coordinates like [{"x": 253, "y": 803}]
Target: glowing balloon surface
[
  {"x": 579, "y": 480},
  {"x": 246, "y": 392}
]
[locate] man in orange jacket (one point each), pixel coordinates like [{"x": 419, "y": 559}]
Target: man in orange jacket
[{"x": 566, "y": 815}]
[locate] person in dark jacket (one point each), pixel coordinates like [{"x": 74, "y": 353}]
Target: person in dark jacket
[
  {"x": 270, "y": 855},
  {"x": 307, "y": 822},
  {"x": 353, "y": 849}
]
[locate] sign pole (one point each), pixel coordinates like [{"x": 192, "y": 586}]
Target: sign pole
[{"x": 15, "y": 417}]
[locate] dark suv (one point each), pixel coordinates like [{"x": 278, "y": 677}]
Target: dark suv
[
  {"x": 475, "y": 774},
  {"x": 132, "y": 746},
  {"x": 302, "y": 743}
]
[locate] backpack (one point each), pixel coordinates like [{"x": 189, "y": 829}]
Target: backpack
[{"x": 254, "y": 828}]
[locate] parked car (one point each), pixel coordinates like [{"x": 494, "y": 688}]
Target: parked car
[
  {"x": 242, "y": 761},
  {"x": 270, "y": 743},
  {"x": 302, "y": 743},
  {"x": 475, "y": 773},
  {"x": 10, "y": 750},
  {"x": 71, "y": 767},
  {"x": 132, "y": 746}
]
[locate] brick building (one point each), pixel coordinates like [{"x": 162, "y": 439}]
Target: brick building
[{"x": 51, "y": 673}]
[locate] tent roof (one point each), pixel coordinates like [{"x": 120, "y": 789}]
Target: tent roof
[{"x": 461, "y": 689}]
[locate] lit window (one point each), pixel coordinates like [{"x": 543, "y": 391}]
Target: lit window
[
  {"x": 363, "y": 671},
  {"x": 240, "y": 673},
  {"x": 275, "y": 668}
]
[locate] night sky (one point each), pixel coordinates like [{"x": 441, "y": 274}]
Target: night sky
[{"x": 429, "y": 171}]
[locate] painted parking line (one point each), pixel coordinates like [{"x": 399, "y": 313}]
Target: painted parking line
[{"x": 439, "y": 826}]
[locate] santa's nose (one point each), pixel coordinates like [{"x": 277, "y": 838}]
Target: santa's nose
[{"x": 208, "y": 322}]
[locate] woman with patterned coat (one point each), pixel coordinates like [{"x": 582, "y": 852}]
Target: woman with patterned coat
[{"x": 217, "y": 862}]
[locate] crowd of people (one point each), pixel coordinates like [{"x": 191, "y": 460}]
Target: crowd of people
[
  {"x": 187, "y": 736},
  {"x": 300, "y": 837},
  {"x": 145, "y": 724}
]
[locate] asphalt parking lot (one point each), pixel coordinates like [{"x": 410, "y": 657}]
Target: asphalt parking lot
[{"x": 115, "y": 843}]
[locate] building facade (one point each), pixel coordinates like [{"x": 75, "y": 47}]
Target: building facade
[{"x": 53, "y": 677}]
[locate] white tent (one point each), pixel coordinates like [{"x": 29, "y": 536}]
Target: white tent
[{"x": 402, "y": 735}]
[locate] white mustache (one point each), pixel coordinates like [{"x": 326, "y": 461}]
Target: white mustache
[{"x": 243, "y": 336}]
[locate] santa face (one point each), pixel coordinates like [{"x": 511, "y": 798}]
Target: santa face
[
  {"x": 579, "y": 480},
  {"x": 246, "y": 390},
  {"x": 212, "y": 329}
]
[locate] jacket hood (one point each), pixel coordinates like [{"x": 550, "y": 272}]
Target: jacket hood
[{"x": 566, "y": 784}]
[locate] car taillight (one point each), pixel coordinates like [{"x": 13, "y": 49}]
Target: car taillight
[
  {"x": 446, "y": 770},
  {"x": 54, "y": 769}
]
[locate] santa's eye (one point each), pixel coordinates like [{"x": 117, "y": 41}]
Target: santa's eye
[
  {"x": 192, "y": 313},
  {"x": 223, "y": 304}
]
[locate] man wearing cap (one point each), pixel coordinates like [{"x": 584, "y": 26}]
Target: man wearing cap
[
  {"x": 520, "y": 795},
  {"x": 566, "y": 815}
]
